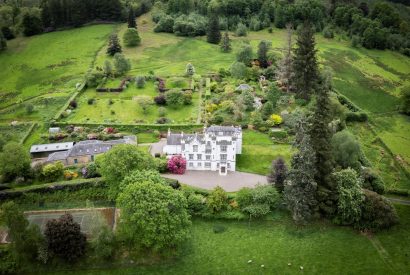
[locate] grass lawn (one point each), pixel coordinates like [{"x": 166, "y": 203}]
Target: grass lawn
[
  {"x": 258, "y": 151},
  {"x": 320, "y": 248},
  {"x": 14, "y": 133},
  {"x": 147, "y": 138},
  {"x": 49, "y": 62},
  {"x": 125, "y": 108}
]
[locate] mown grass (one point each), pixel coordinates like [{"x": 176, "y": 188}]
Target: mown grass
[
  {"x": 126, "y": 109},
  {"x": 48, "y": 62},
  {"x": 283, "y": 248},
  {"x": 258, "y": 151}
]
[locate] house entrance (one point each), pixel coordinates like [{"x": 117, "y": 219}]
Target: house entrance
[{"x": 222, "y": 170}]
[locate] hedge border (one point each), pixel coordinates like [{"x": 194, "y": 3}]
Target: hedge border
[
  {"x": 60, "y": 112},
  {"x": 49, "y": 188},
  {"x": 29, "y": 132},
  {"x": 142, "y": 127}
]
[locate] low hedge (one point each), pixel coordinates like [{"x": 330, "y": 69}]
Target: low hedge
[
  {"x": 398, "y": 191},
  {"x": 356, "y": 117},
  {"x": 73, "y": 185},
  {"x": 136, "y": 127}
]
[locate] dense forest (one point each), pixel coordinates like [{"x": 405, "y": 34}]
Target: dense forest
[{"x": 372, "y": 24}]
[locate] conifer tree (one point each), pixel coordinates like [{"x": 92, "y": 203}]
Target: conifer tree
[
  {"x": 132, "y": 23},
  {"x": 305, "y": 65},
  {"x": 300, "y": 186},
  {"x": 263, "y": 49},
  {"x": 284, "y": 73},
  {"x": 226, "y": 43},
  {"x": 213, "y": 34},
  {"x": 321, "y": 136},
  {"x": 114, "y": 45},
  {"x": 278, "y": 174}
]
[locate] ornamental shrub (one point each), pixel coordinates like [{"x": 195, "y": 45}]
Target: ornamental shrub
[
  {"x": 140, "y": 82},
  {"x": 174, "y": 97},
  {"x": 275, "y": 119},
  {"x": 377, "y": 213},
  {"x": 244, "y": 197},
  {"x": 241, "y": 30},
  {"x": 177, "y": 165},
  {"x": 52, "y": 172},
  {"x": 160, "y": 100},
  {"x": 217, "y": 200},
  {"x": 131, "y": 37}
]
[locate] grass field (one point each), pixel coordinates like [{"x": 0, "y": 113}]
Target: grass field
[
  {"x": 319, "y": 248},
  {"x": 258, "y": 151},
  {"x": 48, "y": 63}
]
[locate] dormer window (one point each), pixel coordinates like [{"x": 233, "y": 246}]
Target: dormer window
[{"x": 195, "y": 148}]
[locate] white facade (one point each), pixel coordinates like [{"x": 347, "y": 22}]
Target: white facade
[{"x": 214, "y": 150}]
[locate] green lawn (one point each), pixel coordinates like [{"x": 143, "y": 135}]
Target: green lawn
[
  {"x": 258, "y": 151},
  {"x": 125, "y": 108},
  {"x": 14, "y": 133},
  {"x": 319, "y": 248},
  {"x": 49, "y": 62}
]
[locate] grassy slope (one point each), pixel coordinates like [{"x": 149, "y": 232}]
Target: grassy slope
[
  {"x": 320, "y": 248},
  {"x": 49, "y": 62}
]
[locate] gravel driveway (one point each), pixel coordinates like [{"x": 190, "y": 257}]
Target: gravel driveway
[{"x": 209, "y": 180}]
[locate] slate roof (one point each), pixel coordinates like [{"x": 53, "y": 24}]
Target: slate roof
[
  {"x": 175, "y": 139},
  {"x": 57, "y": 156},
  {"x": 41, "y": 148},
  {"x": 226, "y": 130},
  {"x": 93, "y": 147}
]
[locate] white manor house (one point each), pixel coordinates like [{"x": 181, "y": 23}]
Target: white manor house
[{"x": 215, "y": 149}]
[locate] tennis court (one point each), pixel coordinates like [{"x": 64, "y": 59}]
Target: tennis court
[{"x": 85, "y": 217}]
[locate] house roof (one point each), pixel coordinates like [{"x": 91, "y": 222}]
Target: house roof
[
  {"x": 41, "y": 148},
  {"x": 57, "y": 156},
  {"x": 175, "y": 139}
]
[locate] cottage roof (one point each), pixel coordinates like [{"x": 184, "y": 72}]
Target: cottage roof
[
  {"x": 41, "y": 148},
  {"x": 57, "y": 156},
  {"x": 175, "y": 139},
  {"x": 93, "y": 147}
]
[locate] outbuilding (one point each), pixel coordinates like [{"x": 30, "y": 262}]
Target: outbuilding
[{"x": 44, "y": 150}]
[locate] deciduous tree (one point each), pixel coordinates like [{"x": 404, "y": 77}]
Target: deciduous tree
[
  {"x": 14, "y": 161},
  {"x": 153, "y": 216},
  {"x": 121, "y": 64}
]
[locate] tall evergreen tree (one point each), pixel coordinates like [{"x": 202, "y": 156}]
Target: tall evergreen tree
[
  {"x": 278, "y": 174},
  {"x": 132, "y": 22},
  {"x": 226, "y": 43},
  {"x": 300, "y": 186},
  {"x": 213, "y": 34},
  {"x": 263, "y": 49},
  {"x": 3, "y": 42},
  {"x": 321, "y": 136},
  {"x": 305, "y": 65},
  {"x": 284, "y": 73},
  {"x": 114, "y": 45}
]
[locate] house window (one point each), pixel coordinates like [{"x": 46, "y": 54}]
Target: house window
[
  {"x": 199, "y": 164},
  {"x": 207, "y": 165},
  {"x": 217, "y": 165},
  {"x": 75, "y": 161},
  {"x": 195, "y": 148},
  {"x": 191, "y": 164},
  {"x": 208, "y": 157},
  {"x": 199, "y": 157},
  {"x": 223, "y": 156},
  {"x": 229, "y": 165},
  {"x": 224, "y": 148},
  {"x": 92, "y": 158},
  {"x": 191, "y": 156}
]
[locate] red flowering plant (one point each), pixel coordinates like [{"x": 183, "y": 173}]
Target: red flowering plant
[{"x": 177, "y": 165}]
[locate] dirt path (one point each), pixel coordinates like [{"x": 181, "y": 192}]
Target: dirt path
[{"x": 399, "y": 201}]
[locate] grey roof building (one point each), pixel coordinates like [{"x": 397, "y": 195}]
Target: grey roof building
[{"x": 43, "y": 150}]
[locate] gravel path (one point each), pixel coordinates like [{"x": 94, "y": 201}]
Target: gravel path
[{"x": 209, "y": 180}]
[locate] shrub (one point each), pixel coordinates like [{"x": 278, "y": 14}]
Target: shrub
[
  {"x": 217, "y": 200},
  {"x": 279, "y": 135},
  {"x": 162, "y": 164},
  {"x": 372, "y": 181},
  {"x": 278, "y": 173},
  {"x": 239, "y": 70},
  {"x": 177, "y": 165},
  {"x": 160, "y": 100},
  {"x": 174, "y": 97},
  {"x": 73, "y": 104},
  {"x": 93, "y": 78},
  {"x": 165, "y": 24},
  {"x": 140, "y": 82},
  {"x": 241, "y": 30},
  {"x": 356, "y": 117},
  {"x": 103, "y": 244},
  {"x": 346, "y": 150},
  {"x": 90, "y": 101},
  {"x": 190, "y": 69},
  {"x": 162, "y": 111},
  {"x": 244, "y": 197},
  {"x": 29, "y": 108},
  {"x": 275, "y": 119},
  {"x": 187, "y": 97},
  {"x": 217, "y": 228},
  {"x": 245, "y": 54},
  {"x": 131, "y": 37},
  {"x": 190, "y": 25},
  {"x": 264, "y": 199},
  {"x": 196, "y": 203},
  {"x": 328, "y": 32},
  {"x": 90, "y": 171},
  {"x": 350, "y": 196},
  {"x": 163, "y": 120},
  {"x": 52, "y": 172},
  {"x": 64, "y": 238},
  {"x": 121, "y": 64},
  {"x": 377, "y": 212}
]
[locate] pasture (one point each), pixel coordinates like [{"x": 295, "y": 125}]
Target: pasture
[
  {"x": 281, "y": 247},
  {"x": 48, "y": 63}
]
